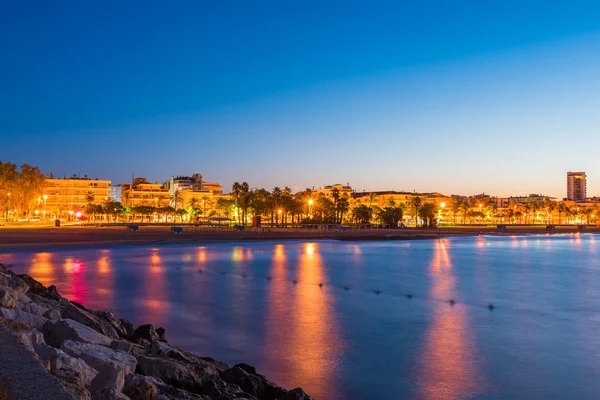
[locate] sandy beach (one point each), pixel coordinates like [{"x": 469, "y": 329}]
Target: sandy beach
[{"x": 78, "y": 236}]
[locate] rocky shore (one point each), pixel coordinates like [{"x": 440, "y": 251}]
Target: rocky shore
[{"x": 94, "y": 355}]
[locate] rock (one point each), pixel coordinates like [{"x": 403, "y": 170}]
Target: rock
[
  {"x": 7, "y": 300},
  {"x": 77, "y": 312},
  {"x": 45, "y": 365},
  {"x": 17, "y": 284},
  {"x": 139, "y": 387},
  {"x": 100, "y": 357},
  {"x": 73, "y": 383},
  {"x": 57, "y": 332},
  {"x": 187, "y": 377},
  {"x": 144, "y": 343},
  {"x": 14, "y": 326},
  {"x": 53, "y": 293},
  {"x": 18, "y": 315},
  {"x": 22, "y": 298},
  {"x": 46, "y": 352},
  {"x": 117, "y": 325},
  {"x": 53, "y": 315},
  {"x": 128, "y": 327},
  {"x": 146, "y": 332},
  {"x": 60, "y": 360},
  {"x": 108, "y": 378},
  {"x": 34, "y": 286},
  {"x": 127, "y": 347},
  {"x": 32, "y": 308},
  {"x": 249, "y": 381},
  {"x": 110, "y": 394},
  {"x": 296, "y": 394},
  {"x": 162, "y": 334},
  {"x": 30, "y": 339},
  {"x": 163, "y": 349}
]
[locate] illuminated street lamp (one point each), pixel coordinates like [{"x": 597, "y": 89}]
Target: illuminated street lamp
[
  {"x": 310, "y": 203},
  {"x": 45, "y": 198}
]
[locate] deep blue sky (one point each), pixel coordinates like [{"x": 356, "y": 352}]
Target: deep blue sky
[{"x": 456, "y": 96}]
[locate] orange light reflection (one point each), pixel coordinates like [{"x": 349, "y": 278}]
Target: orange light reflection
[{"x": 448, "y": 369}]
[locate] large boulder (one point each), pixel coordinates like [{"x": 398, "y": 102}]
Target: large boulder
[
  {"x": 159, "y": 348},
  {"x": 123, "y": 329},
  {"x": 100, "y": 357},
  {"x": 187, "y": 377},
  {"x": 146, "y": 332},
  {"x": 109, "y": 394},
  {"x": 127, "y": 347},
  {"x": 18, "y": 315},
  {"x": 138, "y": 387},
  {"x": 296, "y": 394},
  {"x": 17, "y": 284},
  {"x": 73, "y": 383},
  {"x": 77, "y": 312},
  {"x": 7, "y": 300},
  {"x": 60, "y": 360},
  {"x": 30, "y": 339},
  {"x": 32, "y": 308},
  {"x": 53, "y": 315},
  {"x": 34, "y": 286},
  {"x": 108, "y": 378},
  {"x": 56, "y": 332},
  {"x": 249, "y": 381}
]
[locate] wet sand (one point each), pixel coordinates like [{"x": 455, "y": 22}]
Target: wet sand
[{"x": 77, "y": 236}]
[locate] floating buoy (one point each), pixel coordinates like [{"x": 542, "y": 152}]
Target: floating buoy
[
  {"x": 409, "y": 295},
  {"x": 491, "y": 306},
  {"x": 244, "y": 275},
  {"x": 222, "y": 273},
  {"x": 320, "y": 285},
  {"x": 346, "y": 287},
  {"x": 199, "y": 270},
  {"x": 451, "y": 302},
  {"x": 295, "y": 281},
  {"x": 377, "y": 291},
  {"x": 268, "y": 278}
]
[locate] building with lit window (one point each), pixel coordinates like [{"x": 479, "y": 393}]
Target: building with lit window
[
  {"x": 143, "y": 193},
  {"x": 63, "y": 196},
  {"x": 576, "y": 186}
]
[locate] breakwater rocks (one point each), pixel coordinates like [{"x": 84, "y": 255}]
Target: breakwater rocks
[{"x": 95, "y": 355}]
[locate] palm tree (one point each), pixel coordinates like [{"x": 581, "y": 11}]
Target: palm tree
[
  {"x": 465, "y": 207},
  {"x": 342, "y": 207},
  {"x": 176, "y": 199},
  {"x": 236, "y": 190},
  {"x": 245, "y": 198},
  {"x": 372, "y": 197},
  {"x": 276, "y": 202},
  {"x": 455, "y": 207},
  {"x": 415, "y": 203}
]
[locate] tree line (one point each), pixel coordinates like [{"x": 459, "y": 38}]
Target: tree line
[{"x": 20, "y": 189}]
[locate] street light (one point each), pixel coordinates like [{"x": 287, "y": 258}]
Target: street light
[
  {"x": 310, "y": 203},
  {"x": 45, "y": 198}
]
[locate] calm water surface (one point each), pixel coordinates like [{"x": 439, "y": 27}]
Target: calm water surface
[{"x": 541, "y": 342}]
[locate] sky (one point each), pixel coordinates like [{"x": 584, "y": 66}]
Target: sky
[{"x": 459, "y": 97}]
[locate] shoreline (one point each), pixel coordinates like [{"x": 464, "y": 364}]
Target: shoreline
[{"x": 22, "y": 239}]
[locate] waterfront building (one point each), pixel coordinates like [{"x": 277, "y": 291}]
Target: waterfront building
[
  {"x": 143, "y": 193},
  {"x": 576, "y": 186},
  {"x": 328, "y": 190},
  {"x": 63, "y": 197},
  {"x": 187, "y": 190}
]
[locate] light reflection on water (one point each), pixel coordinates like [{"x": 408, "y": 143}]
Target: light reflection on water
[{"x": 262, "y": 303}]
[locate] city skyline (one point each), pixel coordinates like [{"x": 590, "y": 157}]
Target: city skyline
[{"x": 468, "y": 99}]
